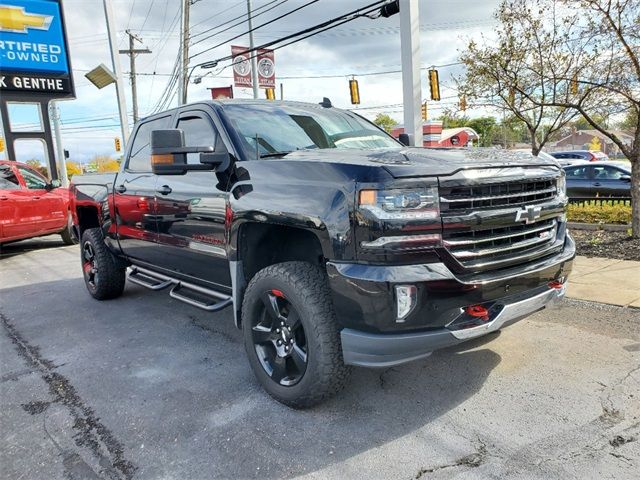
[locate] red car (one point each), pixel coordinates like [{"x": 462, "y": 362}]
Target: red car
[{"x": 31, "y": 206}]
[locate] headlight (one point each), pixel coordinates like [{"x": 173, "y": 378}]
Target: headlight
[
  {"x": 562, "y": 185},
  {"x": 409, "y": 204}
]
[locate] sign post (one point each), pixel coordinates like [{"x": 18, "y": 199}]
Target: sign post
[{"x": 34, "y": 66}]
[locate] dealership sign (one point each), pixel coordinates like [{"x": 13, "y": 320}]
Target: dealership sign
[
  {"x": 242, "y": 67},
  {"x": 33, "y": 48}
]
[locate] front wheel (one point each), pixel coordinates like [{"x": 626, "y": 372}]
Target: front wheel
[
  {"x": 68, "y": 238},
  {"x": 103, "y": 276},
  {"x": 291, "y": 335}
]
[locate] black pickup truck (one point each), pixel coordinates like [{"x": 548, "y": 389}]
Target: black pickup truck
[{"x": 334, "y": 244}]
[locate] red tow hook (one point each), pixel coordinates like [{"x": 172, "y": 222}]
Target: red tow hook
[
  {"x": 277, "y": 293},
  {"x": 478, "y": 311},
  {"x": 556, "y": 285}
]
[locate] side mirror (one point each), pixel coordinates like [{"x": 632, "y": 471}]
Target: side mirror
[
  {"x": 53, "y": 184},
  {"x": 405, "y": 139},
  {"x": 169, "y": 155},
  {"x": 625, "y": 178}
]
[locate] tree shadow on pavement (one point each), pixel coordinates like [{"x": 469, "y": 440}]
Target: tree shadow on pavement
[{"x": 175, "y": 379}]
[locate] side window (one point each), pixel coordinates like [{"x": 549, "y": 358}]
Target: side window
[
  {"x": 8, "y": 179},
  {"x": 577, "y": 173},
  {"x": 607, "y": 173},
  {"x": 140, "y": 157},
  {"x": 198, "y": 132},
  {"x": 32, "y": 179}
]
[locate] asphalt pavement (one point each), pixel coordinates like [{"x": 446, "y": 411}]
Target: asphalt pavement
[{"x": 146, "y": 387}]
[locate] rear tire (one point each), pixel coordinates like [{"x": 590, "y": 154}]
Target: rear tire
[
  {"x": 103, "y": 275},
  {"x": 291, "y": 335}
]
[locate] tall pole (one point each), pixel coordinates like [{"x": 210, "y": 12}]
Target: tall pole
[
  {"x": 133, "y": 52},
  {"x": 62, "y": 161},
  {"x": 254, "y": 58},
  {"x": 183, "y": 81},
  {"x": 115, "y": 60},
  {"x": 411, "y": 82}
]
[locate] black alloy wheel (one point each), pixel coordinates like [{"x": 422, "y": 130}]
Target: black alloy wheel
[
  {"x": 279, "y": 339},
  {"x": 89, "y": 264}
]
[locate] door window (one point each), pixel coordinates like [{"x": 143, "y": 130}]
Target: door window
[
  {"x": 577, "y": 173},
  {"x": 607, "y": 173},
  {"x": 140, "y": 156},
  {"x": 32, "y": 179},
  {"x": 8, "y": 179},
  {"x": 198, "y": 132}
]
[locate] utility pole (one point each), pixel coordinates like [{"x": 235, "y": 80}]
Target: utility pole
[
  {"x": 115, "y": 59},
  {"x": 411, "y": 82},
  {"x": 183, "y": 79},
  {"x": 54, "y": 112},
  {"x": 254, "y": 58},
  {"x": 133, "y": 52}
]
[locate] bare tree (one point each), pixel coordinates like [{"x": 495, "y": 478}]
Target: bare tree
[{"x": 499, "y": 74}]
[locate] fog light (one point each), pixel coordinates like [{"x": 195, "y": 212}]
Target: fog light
[{"x": 406, "y": 296}]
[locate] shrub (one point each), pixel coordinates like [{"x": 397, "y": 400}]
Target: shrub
[{"x": 599, "y": 212}]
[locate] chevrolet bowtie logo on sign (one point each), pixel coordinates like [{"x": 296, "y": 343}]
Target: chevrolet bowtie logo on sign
[
  {"x": 17, "y": 20},
  {"x": 33, "y": 48},
  {"x": 529, "y": 214}
]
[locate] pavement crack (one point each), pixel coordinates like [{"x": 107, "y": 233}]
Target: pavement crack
[
  {"x": 472, "y": 460},
  {"x": 90, "y": 432}
]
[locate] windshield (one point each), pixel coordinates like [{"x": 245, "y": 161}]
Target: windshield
[{"x": 277, "y": 129}]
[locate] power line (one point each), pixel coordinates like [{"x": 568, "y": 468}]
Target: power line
[
  {"x": 347, "y": 17},
  {"x": 238, "y": 17},
  {"x": 253, "y": 29}
]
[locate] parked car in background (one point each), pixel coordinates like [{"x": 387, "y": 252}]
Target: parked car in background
[
  {"x": 598, "y": 180},
  {"x": 31, "y": 206},
  {"x": 588, "y": 155}
]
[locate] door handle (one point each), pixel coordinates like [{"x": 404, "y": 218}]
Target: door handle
[
  {"x": 121, "y": 189},
  {"x": 4, "y": 198},
  {"x": 597, "y": 184},
  {"x": 35, "y": 198},
  {"x": 164, "y": 190}
]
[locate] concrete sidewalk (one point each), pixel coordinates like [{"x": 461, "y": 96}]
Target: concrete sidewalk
[{"x": 604, "y": 280}]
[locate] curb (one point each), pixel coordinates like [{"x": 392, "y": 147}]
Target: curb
[{"x": 608, "y": 227}]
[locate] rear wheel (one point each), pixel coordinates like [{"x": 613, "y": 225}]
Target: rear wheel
[
  {"x": 103, "y": 276},
  {"x": 291, "y": 336}
]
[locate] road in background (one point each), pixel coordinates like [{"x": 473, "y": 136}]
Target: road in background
[{"x": 148, "y": 387}]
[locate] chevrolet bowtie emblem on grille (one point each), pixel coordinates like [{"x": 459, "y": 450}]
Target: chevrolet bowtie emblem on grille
[
  {"x": 16, "y": 20},
  {"x": 529, "y": 214}
]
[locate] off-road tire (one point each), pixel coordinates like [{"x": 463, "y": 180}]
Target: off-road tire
[
  {"x": 68, "y": 238},
  {"x": 110, "y": 280},
  {"x": 305, "y": 286}
]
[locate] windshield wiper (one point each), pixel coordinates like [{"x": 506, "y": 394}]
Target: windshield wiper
[{"x": 274, "y": 154}]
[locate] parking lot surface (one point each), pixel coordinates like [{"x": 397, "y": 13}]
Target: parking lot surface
[{"x": 147, "y": 387}]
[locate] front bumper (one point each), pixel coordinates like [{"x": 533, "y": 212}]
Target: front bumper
[
  {"x": 365, "y": 305},
  {"x": 385, "y": 350}
]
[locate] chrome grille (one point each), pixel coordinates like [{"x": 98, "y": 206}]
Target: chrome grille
[
  {"x": 497, "y": 195},
  {"x": 492, "y": 247}
]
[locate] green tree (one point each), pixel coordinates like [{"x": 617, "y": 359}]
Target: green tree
[{"x": 385, "y": 122}]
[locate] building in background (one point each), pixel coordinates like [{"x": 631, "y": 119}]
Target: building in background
[
  {"x": 583, "y": 139},
  {"x": 433, "y": 135}
]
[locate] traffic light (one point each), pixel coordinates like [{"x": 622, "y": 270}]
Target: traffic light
[
  {"x": 117, "y": 144},
  {"x": 463, "y": 103},
  {"x": 425, "y": 113},
  {"x": 354, "y": 90},
  {"x": 270, "y": 93},
  {"x": 434, "y": 84},
  {"x": 574, "y": 84}
]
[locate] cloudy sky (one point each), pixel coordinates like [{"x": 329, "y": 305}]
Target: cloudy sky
[{"x": 364, "y": 46}]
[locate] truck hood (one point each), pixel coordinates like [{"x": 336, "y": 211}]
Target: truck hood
[{"x": 423, "y": 162}]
